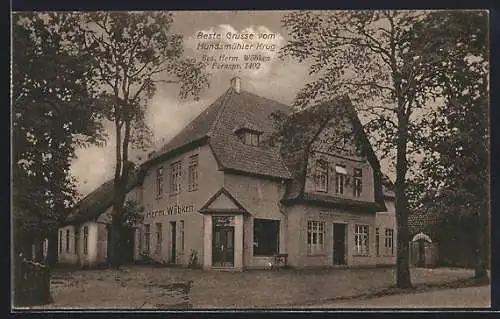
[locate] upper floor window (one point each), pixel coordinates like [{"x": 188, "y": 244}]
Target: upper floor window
[
  {"x": 251, "y": 139},
  {"x": 193, "y": 173},
  {"x": 249, "y": 136},
  {"x": 175, "y": 177},
  {"x": 159, "y": 181},
  {"x": 357, "y": 182},
  {"x": 340, "y": 177},
  {"x": 321, "y": 176}
]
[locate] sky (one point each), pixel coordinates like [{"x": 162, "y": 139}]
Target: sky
[{"x": 167, "y": 114}]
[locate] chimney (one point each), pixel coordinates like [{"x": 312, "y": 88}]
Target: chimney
[{"x": 236, "y": 84}]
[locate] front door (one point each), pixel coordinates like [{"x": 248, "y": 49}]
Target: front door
[
  {"x": 173, "y": 241},
  {"x": 339, "y": 250},
  {"x": 222, "y": 246}
]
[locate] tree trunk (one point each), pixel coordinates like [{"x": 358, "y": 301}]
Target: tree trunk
[
  {"x": 52, "y": 257},
  {"x": 403, "y": 279},
  {"x": 481, "y": 249},
  {"x": 117, "y": 224}
]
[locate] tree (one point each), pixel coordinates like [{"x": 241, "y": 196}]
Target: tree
[
  {"x": 133, "y": 52},
  {"x": 53, "y": 111},
  {"x": 389, "y": 64},
  {"x": 455, "y": 171}
]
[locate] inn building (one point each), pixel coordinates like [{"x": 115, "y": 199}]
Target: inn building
[{"x": 226, "y": 194}]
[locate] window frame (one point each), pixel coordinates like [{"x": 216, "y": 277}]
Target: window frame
[
  {"x": 175, "y": 177},
  {"x": 147, "y": 239},
  {"x": 158, "y": 237},
  {"x": 159, "y": 181},
  {"x": 321, "y": 181},
  {"x": 357, "y": 182},
  {"x": 267, "y": 251},
  {"x": 60, "y": 241},
  {"x": 315, "y": 232},
  {"x": 362, "y": 239},
  {"x": 85, "y": 240},
  {"x": 181, "y": 236},
  {"x": 193, "y": 173},
  {"x": 389, "y": 242},
  {"x": 340, "y": 179}
]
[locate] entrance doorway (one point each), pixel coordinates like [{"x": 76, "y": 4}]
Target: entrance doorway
[
  {"x": 222, "y": 245},
  {"x": 173, "y": 243},
  {"x": 339, "y": 247}
]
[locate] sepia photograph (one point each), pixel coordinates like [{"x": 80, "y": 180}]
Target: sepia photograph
[{"x": 286, "y": 160}]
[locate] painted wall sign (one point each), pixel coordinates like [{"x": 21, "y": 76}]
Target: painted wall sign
[
  {"x": 172, "y": 210},
  {"x": 223, "y": 221},
  {"x": 339, "y": 216}
]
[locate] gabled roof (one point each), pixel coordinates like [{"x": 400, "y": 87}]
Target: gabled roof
[
  {"x": 233, "y": 207},
  {"x": 231, "y": 111},
  {"x": 422, "y": 220},
  {"x": 302, "y": 132},
  {"x": 98, "y": 201}
]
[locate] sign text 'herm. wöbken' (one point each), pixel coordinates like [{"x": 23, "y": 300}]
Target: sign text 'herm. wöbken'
[{"x": 172, "y": 210}]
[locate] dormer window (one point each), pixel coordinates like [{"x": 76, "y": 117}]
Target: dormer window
[{"x": 249, "y": 136}]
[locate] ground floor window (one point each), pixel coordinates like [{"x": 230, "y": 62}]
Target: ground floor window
[
  {"x": 85, "y": 240},
  {"x": 181, "y": 237},
  {"x": 265, "y": 237},
  {"x": 315, "y": 237},
  {"x": 377, "y": 241},
  {"x": 146, "y": 239},
  {"x": 60, "y": 241},
  {"x": 361, "y": 239},
  {"x": 159, "y": 238},
  {"x": 389, "y": 241}
]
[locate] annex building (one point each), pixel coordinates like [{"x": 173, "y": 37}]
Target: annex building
[{"x": 224, "y": 190}]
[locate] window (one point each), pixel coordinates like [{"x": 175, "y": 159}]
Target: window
[
  {"x": 193, "y": 173},
  {"x": 361, "y": 239},
  {"x": 340, "y": 175},
  {"x": 315, "y": 237},
  {"x": 67, "y": 240},
  {"x": 250, "y": 138},
  {"x": 377, "y": 240},
  {"x": 181, "y": 237},
  {"x": 146, "y": 239},
  {"x": 60, "y": 241},
  {"x": 358, "y": 185},
  {"x": 159, "y": 238},
  {"x": 265, "y": 237},
  {"x": 85, "y": 240},
  {"x": 159, "y": 181},
  {"x": 321, "y": 176},
  {"x": 175, "y": 177},
  {"x": 77, "y": 234},
  {"x": 389, "y": 241}
]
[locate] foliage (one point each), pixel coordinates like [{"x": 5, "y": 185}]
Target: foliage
[
  {"x": 393, "y": 65},
  {"x": 53, "y": 111}
]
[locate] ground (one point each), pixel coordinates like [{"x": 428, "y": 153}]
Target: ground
[
  {"x": 151, "y": 287},
  {"x": 466, "y": 297}
]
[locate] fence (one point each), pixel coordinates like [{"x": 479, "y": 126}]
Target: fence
[
  {"x": 423, "y": 254},
  {"x": 31, "y": 283}
]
